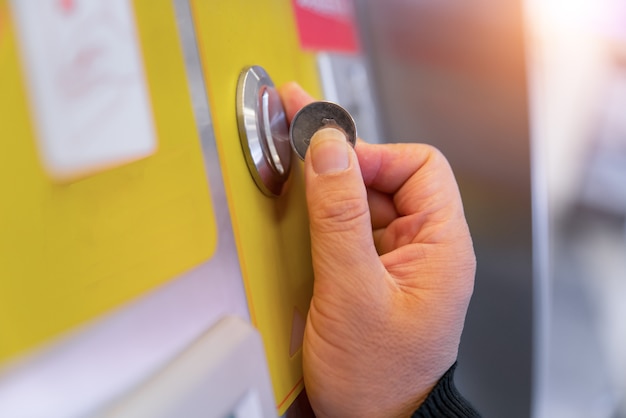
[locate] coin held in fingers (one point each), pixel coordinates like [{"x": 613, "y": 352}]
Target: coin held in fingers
[{"x": 315, "y": 116}]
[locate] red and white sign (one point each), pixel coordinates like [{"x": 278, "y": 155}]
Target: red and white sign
[{"x": 326, "y": 25}]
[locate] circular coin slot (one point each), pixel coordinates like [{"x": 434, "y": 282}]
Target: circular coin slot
[{"x": 263, "y": 130}]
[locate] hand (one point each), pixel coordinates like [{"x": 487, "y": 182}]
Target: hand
[{"x": 394, "y": 271}]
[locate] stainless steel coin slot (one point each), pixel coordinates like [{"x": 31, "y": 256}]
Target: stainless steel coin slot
[
  {"x": 316, "y": 116},
  {"x": 263, "y": 130}
]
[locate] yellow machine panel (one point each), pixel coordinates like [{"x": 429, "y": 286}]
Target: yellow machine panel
[
  {"x": 70, "y": 251},
  {"x": 271, "y": 233}
]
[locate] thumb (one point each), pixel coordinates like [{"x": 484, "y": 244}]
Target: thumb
[{"x": 342, "y": 245}]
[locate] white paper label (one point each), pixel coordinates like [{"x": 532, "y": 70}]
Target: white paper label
[{"x": 86, "y": 82}]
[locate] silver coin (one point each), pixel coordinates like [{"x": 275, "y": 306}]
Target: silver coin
[{"x": 315, "y": 116}]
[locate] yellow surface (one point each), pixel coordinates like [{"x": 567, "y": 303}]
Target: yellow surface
[
  {"x": 71, "y": 252},
  {"x": 271, "y": 234}
]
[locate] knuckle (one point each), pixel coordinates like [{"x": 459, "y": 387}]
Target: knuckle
[{"x": 338, "y": 211}]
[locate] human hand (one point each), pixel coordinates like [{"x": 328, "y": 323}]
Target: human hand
[{"x": 394, "y": 271}]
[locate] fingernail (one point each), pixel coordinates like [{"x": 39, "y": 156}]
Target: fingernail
[{"x": 329, "y": 151}]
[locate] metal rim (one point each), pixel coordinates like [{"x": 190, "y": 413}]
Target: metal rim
[{"x": 261, "y": 120}]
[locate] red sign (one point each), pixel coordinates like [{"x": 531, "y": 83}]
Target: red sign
[{"x": 326, "y": 25}]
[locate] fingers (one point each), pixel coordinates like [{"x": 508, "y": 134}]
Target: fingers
[
  {"x": 344, "y": 256},
  {"x": 382, "y": 208},
  {"x": 386, "y": 169},
  {"x": 294, "y": 99},
  {"x": 417, "y": 176},
  {"x": 407, "y": 192}
]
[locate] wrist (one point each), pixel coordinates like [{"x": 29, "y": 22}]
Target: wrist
[{"x": 445, "y": 400}]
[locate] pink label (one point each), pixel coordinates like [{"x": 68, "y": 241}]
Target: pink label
[{"x": 326, "y": 25}]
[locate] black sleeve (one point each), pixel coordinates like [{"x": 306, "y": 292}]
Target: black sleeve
[{"x": 446, "y": 401}]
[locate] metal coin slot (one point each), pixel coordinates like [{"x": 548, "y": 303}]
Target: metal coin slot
[
  {"x": 316, "y": 116},
  {"x": 263, "y": 130},
  {"x": 269, "y": 137}
]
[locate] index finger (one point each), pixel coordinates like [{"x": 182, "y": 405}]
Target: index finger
[
  {"x": 418, "y": 176},
  {"x": 294, "y": 98}
]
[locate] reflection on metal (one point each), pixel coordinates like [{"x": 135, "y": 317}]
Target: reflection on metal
[{"x": 263, "y": 130}]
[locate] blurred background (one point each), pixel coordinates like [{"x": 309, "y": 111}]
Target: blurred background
[{"x": 527, "y": 99}]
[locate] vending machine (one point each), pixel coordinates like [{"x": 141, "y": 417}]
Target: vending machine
[{"x": 154, "y": 251}]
